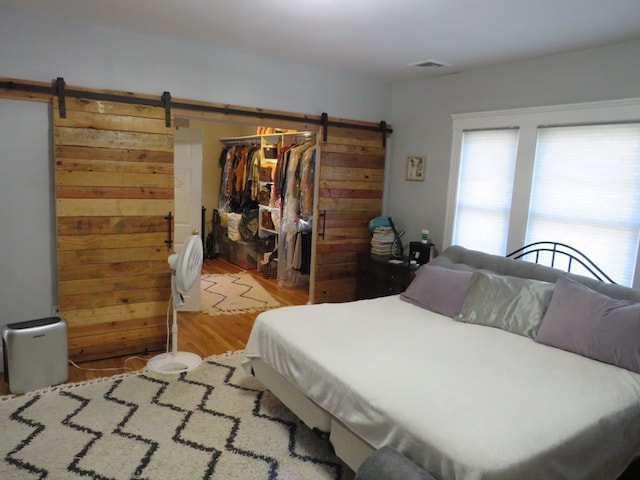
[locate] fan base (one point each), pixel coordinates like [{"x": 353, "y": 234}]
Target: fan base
[{"x": 174, "y": 362}]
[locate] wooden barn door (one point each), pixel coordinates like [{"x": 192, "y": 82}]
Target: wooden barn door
[
  {"x": 114, "y": 188},
  {"x": 349, "y": 185}
]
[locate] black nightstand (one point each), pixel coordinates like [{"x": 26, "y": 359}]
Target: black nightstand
[{"x": 380, "y": 278}]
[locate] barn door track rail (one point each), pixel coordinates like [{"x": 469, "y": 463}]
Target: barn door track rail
[{"x": 59, "y": 89}]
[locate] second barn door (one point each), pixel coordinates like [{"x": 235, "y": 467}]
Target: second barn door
[
  {"x": 114, "y": 192},
  {"x": 349, "y": 186}
]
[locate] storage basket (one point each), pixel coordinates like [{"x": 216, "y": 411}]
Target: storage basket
[
  {"x": 265, "y": 174},
  {"x": 266, "y": 221},
  {"x": 264, "y": 195},
  {"x": 270, "y": 270}
]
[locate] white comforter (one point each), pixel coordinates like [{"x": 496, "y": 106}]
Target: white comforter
[{"x": 466, "y": 402}]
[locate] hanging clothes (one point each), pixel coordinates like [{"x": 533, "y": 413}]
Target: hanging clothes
[
  {"x": 280, "y": 174},
  {"x": 239, "y": 183},
  {"x": 297, "y": 187},
  {"x": 226, "y": 163},
  {"x": 306, "y": 183},
  {"x": 289, "y": 188},
  {"x": 253, "y": 176},
  {"x": 247, "y": 196}
]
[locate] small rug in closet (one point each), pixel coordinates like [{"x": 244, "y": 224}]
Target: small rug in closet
[
  {"x": 215, "y": 422},
  {"x": 233, "y": 293}
]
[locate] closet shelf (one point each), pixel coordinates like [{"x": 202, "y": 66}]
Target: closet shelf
[
  {"x": 274, "y": 221},
  {"x": 269, "y": 138},
  {"x": 272, "y": 138}
]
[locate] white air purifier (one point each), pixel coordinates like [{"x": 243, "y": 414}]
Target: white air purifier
[{"x": 35, "y": 354}]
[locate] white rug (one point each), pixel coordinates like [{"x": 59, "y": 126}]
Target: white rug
[
  {"x": 215, "y": 422},
  {"x": 229, "y": 294}
]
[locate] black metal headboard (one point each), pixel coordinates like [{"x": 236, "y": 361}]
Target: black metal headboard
[{"x": 560, "y": 249}]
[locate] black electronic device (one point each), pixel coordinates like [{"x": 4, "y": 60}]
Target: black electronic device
[{"x": 420, "y": 252}]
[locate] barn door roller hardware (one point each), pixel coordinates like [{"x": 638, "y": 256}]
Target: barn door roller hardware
[
  {"x": 59, "y": 89},
  {"x": 325, "y": 124},
  {"x": 62, "y": 107},
  {"x": 166, "y": 101},
  {"x": 62, "y": 92},
  {"x": 383, "y": 129}
]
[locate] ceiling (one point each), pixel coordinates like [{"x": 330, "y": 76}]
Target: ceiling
[{"x": 378, "y": 38}]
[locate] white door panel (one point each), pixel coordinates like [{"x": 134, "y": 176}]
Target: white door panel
[{"x": 188, "y": 196}]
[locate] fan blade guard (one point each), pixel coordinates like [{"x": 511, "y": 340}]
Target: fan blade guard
[{"x": 188, "y": 264}]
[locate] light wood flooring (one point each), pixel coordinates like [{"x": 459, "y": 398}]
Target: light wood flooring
[{"x": 199, "y": 333}]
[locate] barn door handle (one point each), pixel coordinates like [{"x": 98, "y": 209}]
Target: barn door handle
[
  {"x": 324, "y": 221},
  {"x": 169, "y": 240}
]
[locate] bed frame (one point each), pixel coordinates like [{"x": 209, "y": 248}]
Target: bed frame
[
  {"x": 351, "y": 448},
  {"x": 533, "y": 250}
]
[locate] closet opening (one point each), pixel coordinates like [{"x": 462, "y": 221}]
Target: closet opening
[{"x": 256, "y": 202}]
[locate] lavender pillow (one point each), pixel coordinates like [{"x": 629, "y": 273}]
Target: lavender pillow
[
  {"x": 441, "y": 290},
  {"x": 583, "y": 321}
]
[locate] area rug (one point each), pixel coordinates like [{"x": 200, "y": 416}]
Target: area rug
[
  {"x": 233, "y": 293},
  {"x": 215, "y": 422}
]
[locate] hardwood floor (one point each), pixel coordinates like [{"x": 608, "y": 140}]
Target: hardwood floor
[{"x": 199, "y": 332}]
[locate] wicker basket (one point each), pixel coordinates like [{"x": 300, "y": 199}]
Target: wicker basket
[{"x": 270, "y": 270}]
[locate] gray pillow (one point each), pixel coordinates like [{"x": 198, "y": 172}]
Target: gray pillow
[
  {"x": 583, "y": 321},
  {"x": 514, "y": 304},
  {"x": 438, "y": 289},
  {"x": 387, "y": 464}
]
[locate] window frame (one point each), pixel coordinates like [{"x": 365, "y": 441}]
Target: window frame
[{"x": 527, "y": 121}]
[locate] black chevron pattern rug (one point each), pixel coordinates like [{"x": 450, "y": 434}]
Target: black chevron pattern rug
[
  {"x": 233, "y": 293},
  {"x": 214, "y": 422}
]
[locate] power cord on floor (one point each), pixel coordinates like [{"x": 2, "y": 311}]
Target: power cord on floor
[
  {"x": 125, "y": 368},
  {"x": 168, "y": 322},
  {"x": 113, "y": 369}
]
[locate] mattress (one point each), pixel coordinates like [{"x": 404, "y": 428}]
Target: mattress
[{"x": 465, "y": 402}]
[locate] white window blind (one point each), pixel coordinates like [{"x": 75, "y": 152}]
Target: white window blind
[
  {"x": 586, "y": 193},
  {"x": 485, "y": 187}
]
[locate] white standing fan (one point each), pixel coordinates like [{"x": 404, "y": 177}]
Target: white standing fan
[{"x": 185, "y": 270}]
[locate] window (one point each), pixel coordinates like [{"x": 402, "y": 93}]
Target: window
[
  {"x": 586, "y": 192},
  {"x": 487, "y": 166},
  {"x": 569, "y": 174}
]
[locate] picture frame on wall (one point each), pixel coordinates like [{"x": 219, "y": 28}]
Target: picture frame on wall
[{"x": 416, "y": 167}]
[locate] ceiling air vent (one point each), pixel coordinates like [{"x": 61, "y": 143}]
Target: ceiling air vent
[{"x": 428, "y": 64}]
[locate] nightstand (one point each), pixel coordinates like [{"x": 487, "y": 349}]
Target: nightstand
[{"x": 380, "y": 278}]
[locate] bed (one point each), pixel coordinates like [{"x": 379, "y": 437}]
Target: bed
[{"x": 473, "y": 373}]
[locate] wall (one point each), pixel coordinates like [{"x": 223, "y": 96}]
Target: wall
[
  {"x": 421, "y": 116},
  {"x": 35, "y": 47},
  {"x": 27, "y": 254}
]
